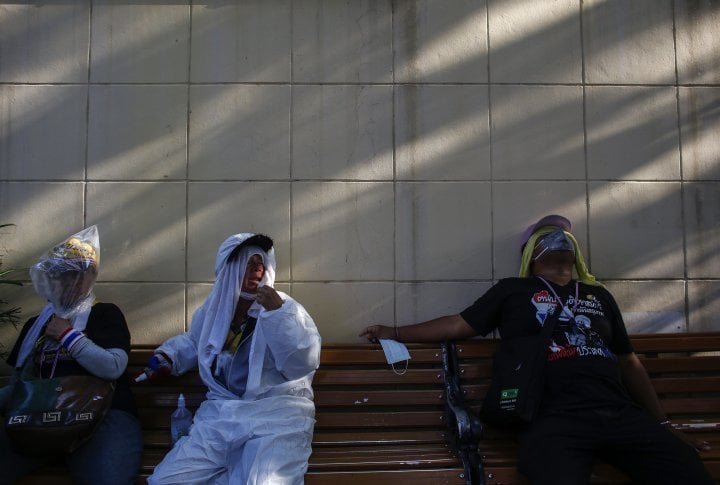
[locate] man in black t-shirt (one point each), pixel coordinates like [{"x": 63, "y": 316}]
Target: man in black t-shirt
[{"x": 598, "y": 400}]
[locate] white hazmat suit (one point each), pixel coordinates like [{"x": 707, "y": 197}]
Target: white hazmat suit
[{"x": 264, "y": 434}]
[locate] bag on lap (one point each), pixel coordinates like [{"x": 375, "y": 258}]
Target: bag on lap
[{"x": 54, "y": 415}]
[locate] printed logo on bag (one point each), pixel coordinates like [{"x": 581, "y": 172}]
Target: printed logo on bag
[
  {"x": 84, "y": 416},
  {"x": 19, "y": 419},
  {"x": 509, "y": 394},
  {"x": 51, "y": 417}
]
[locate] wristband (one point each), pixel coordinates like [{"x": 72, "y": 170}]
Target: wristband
[{"x": 69, "y": 339}]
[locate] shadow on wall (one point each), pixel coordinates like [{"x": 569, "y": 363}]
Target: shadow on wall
[{"x": 594, "y": 120}]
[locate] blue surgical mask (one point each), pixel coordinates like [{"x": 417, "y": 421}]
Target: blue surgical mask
[{"x": 555, "y": 241}]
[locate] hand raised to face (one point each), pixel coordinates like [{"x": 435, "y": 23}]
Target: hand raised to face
[{"x": 268, "y": 298}]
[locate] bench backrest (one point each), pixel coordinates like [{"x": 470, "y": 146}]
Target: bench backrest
[{"x": 357, "y": 395}]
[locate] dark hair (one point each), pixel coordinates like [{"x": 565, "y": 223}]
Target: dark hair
[{"x": 261, "y": 240}]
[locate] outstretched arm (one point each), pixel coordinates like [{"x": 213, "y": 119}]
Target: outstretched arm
[
  {"x": 449, "y": 327},
  {"x": 638, "y": 384}
]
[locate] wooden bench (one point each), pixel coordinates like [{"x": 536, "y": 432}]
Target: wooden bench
[
  {"x": 374, "y": 426},
  {"x": 684, "y": 369}
]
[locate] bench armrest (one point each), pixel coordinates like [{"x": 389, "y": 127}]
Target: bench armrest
[{"x": 464, "y": 427}]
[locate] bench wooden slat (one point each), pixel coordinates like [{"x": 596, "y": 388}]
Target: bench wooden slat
[
  {"x": 358, "y": 399},
  {"x": 373, "y": 354},
  {"x": 345, "y": 420},
  {"x": 375, "y": 377},
  {"x": 689, "y": 406},
  {"x": 690, "y": 342},
  {"x": 700, "y": 364},
  {"x": 449, "y": 476},
  {"x": 403, "y": 437},
  {"x": 382, "y": 460},
  {"x": 688, "y": 384}
]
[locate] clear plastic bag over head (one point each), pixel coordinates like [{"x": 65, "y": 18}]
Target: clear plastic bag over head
[{"x": 66, "y": 274}]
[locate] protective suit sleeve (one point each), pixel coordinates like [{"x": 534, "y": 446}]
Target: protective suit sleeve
[
  {"x": 182, "y": 350},
  {"x": 104, "y": 363},
  {"x": 292, "y": 338}
]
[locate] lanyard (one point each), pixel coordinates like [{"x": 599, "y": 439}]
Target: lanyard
[{"x": 565, "y": 309}]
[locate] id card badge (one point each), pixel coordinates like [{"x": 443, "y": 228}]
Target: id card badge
[{"x": 395, "y": 352}]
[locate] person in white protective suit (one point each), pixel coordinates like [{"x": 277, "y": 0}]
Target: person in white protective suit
[{"x": 257, "y": 350}]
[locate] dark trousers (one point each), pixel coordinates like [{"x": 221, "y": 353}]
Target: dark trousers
[{"x": 561, "y": 449}]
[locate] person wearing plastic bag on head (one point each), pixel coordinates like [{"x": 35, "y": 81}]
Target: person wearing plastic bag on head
[
  {"x": 257, "y": 350},
  {"x": 76, "y": 335},
  {"x": 597, "y": 401}
]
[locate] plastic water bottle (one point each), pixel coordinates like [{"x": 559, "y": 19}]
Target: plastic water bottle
[{"x": 180, "y": 421}]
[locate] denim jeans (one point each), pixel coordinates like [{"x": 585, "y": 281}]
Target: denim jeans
[{"x": 111, "y": 456}]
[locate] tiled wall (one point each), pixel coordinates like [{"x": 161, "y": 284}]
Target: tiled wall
[{"x": 394, "y": 149}]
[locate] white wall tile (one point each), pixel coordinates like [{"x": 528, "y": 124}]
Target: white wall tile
[
  {"x": 140, "y": 43},
  {"x": 154, "y": 312},
  {"x": 419, "y": 302},
  {"x": 534, "y": 41},
  {"x": 697, "y": 26},
  {"x": 342, "y": 310},
  {"x": 342, "y": 41},
  {"x": 45, "y": 43},
  {"x": 42, "y": 132},
  {"x": 442, "y": 133},
  {"x": 628, "y": 42},
  {"x": 443, "y": 231},
  {"x": 704, "y": 301},
  {"x": 219, "y": 210},
  {"x": 650, "y": 306},
  {"x": 702, "y": 226},
  {"x": 137, "y": 132},
  {"x": 632, "y": 133},
  {"x": 342, "y": 132},
  {"x": 142, "y": 229},
  {"x": 342, "y": 231},
  {"x": 434, "y": 43},
  {"x": 239, "y": 132},
  {"x": 44, "y": 215},
  {"x": 537, "y": 132},
  {"x": 699, "y": 128},
  {"x": 245, "y": 41},
  {"x": 636, "y": 230}
]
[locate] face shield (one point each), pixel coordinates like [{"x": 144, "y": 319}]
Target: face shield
[
  {"x": 66, "y": 274},
  {"x": 555, "y": 241}
]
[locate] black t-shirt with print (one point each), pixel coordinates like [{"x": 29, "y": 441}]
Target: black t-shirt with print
[{"x": 582, "y": 371}]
